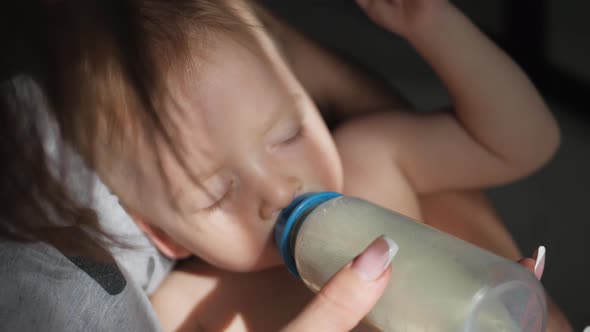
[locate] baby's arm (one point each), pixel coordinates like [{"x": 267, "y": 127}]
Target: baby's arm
[{"x": 501, "y": 128}]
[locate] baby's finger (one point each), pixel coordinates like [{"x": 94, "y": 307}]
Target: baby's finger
[
  {"x": 377, "y": 10},
  {"x": 351, "y": 293}
]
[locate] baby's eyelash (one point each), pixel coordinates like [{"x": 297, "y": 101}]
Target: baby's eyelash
[
  {"x": 219, "y": 203},
  {"x": 296, "y": 137},
  {"x": 214, "y": 207}
]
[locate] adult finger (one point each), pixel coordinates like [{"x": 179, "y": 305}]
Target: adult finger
[
  {"x": 537, "y": 263},
  {"x": 351, "y": 293}
]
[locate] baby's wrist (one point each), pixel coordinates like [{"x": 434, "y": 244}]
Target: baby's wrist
[{"x": 430, "y": 20}]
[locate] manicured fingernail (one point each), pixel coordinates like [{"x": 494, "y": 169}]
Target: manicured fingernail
[
  {"x": 373, "y": 261},
  {"x": 587, "y": 329},
  {"x": 539, "y": 261}
]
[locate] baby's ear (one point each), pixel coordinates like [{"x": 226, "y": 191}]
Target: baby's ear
[{"x": 161, "y": 240}]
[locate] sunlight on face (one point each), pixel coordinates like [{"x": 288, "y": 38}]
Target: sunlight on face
[{"x": 255, "y": 140}]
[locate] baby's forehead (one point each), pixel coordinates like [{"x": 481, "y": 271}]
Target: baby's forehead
[
  {"x": 225, "y": 88},
  {"x": 227, "y": 73}
]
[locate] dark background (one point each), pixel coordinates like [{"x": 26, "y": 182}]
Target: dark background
[{"x": 550, "y": 40}]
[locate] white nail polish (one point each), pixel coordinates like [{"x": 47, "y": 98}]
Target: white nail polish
[
  {"x": 540, "y": 256},
  {"x": 373, "y": 261},
  {"x": 393, "y": 249},
  {"x": 587, "y": 329}
]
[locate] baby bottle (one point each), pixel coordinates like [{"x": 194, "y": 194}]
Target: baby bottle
[{"x": 438, "y": 283}]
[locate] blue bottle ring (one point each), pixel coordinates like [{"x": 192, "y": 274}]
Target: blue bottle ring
[{"x": 289, "y": 217}]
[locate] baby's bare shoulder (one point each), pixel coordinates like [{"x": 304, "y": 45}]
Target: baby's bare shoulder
[
  {"x": 368, "y": 149},
  {"x": 370, "y": 134}
]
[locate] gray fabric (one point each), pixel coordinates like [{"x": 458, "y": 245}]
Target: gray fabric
[
  {"x": 42, "y": 290},
  {"x": 146, "y": 265}
]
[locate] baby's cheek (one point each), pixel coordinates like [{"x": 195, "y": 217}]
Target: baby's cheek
[
  {"x": 240, "y": 249},
  {"x": 320, "y": 168},
  {"x": 330, "y": 174}
]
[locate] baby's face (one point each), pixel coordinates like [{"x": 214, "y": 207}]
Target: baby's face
[{"x": 254, "y": 140}]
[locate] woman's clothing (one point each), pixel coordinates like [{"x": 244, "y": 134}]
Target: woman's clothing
[{"x": 42, "y": 290}]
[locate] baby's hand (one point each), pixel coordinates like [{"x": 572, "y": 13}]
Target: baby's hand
[{"x": 401, "y": 16}]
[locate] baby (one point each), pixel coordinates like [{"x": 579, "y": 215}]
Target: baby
[{"x": 267, "y": 144}]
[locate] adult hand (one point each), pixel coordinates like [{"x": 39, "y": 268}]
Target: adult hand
[
  {"x": 351, "y": 293},
  {"x": 535, "y": 264},
  {"x": 556, "y": 320}
]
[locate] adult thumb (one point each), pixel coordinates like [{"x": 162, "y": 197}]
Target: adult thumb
[{"x": 351, "y": 293}]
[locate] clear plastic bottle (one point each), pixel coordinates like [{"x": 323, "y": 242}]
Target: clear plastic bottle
[{"x": 439, "y": 282}]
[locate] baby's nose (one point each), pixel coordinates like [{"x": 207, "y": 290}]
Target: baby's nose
[{"x": 278, "y": 194}]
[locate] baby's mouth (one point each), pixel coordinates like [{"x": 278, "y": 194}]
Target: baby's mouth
[{"x": 275, "y": 215}]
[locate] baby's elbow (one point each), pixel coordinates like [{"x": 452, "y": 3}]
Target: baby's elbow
[
  {"x": 542, "y": 149},
  {"x": 553, "y": 142},
  {"x": 549, "y": 142}
]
